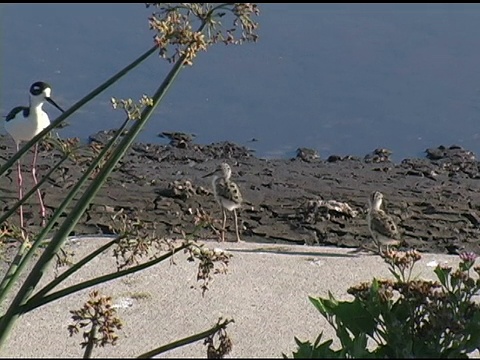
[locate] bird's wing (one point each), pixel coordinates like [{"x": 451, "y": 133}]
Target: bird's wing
[
  {"x": 229, "y": 190},
  {"x": 383, "y": 224},
  {"x": 221, "y": 188},
  {"x": 236, "y": 195},
  {"x": 11, "y": 115}
]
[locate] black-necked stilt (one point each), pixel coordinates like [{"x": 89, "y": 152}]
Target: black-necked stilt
[
  {"x": 23, "y": 123},
  {"x": 227, "y": 194}
]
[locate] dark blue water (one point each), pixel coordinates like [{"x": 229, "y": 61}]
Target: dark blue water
[{"x": 343, "y": 79}]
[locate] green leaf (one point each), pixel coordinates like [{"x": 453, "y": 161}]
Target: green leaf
[
  {"x": 355, "y": 317},
  {"x": 319, "y": 350},
  {"x": 350, "y": 314},
  {"x": 359, "y": 348},
  {"x": 441, "y": 275},
  {"x": 320, "y": 304},
  {"x": 472, "y": 330}
]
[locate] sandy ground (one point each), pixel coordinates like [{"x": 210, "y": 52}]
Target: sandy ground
[{"x": 265, "y": 292}]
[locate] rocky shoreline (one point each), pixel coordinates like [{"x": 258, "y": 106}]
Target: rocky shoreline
[{"x": 305, "y": 200}]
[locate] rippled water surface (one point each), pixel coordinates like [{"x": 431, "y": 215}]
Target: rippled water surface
[{"x": 343, "y": 79}]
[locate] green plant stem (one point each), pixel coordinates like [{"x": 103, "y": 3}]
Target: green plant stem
[
  {"x": 32, "y": 304},
  {"x": 52, "y": 284},
  {"x": 185, "y": 341},
  {"x": 91, "y": 342},
  {"x": 19, "y": 256},
  {"x": 75, "y": 107},
  {"x": 76, "y": 188},
  {"x": 10, "y": 211},
  {"x": 9, "y": 280},
  {"x": 81, "y": 205},
  {"x": 69, "y": 223}
]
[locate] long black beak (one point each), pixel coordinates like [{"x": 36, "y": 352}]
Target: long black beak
[
  {"x": 50, "y": 100},
  {"x": 210, "y": 174}
]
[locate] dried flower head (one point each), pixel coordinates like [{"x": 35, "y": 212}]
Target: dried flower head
[
  {"x": 137, "y": 240},
  {"x": 66, "y": 147},
  {"x": 173, "y": 24},
  {"x": 224, "y": 342},
  {"x": 401, "y": 263},
  {"x": 203, "y": 219},
  {"x": 208, "y": 258},
  {"x": 132, "y": 109},
  {"x": 98, "y": 319},
  {"x": 10, "y": 233}
]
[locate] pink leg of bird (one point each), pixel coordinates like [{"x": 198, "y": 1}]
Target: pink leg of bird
[
  {"x": 20, "y": 187},
  {"x": 34, "y": 164}
]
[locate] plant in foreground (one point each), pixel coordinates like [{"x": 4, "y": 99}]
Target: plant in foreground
[
  {"x": 176, "y": 40},
  {"x": 98, "y": 320},
  {"x": 404, "y": 317}
]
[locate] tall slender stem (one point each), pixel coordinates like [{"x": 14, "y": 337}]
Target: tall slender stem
[
  {"x": 40, "y": 267},
  {"x": 91, "y": 341},
  {"x": 185, "y": 341},
  {"x": 11, "y": 210},
  {"x": 5, "y": 288},
  {"x": 35, "y": 302},
  {"x": 75, "y": 107}
]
